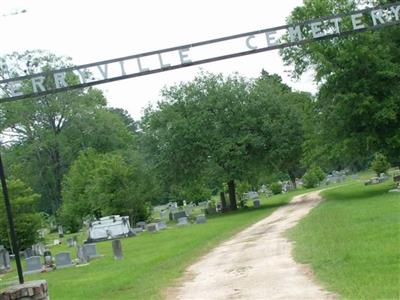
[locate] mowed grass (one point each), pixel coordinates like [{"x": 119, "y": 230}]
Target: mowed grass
[
  {"x": 352, "y": 241},
  {"x": 151, "y": 261}
]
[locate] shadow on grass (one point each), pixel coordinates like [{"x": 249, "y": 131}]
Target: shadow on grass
[{"x": 358, "y": 194}]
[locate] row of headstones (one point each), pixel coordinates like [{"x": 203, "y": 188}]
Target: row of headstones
[
  {"x": 63, "y": 259},
  {"x": 180, "y": 217}
]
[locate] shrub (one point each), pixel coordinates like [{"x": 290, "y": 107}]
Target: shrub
[
  {"x": 276, "y": 188},
  {"x": 380, "y": 164},
  {"x": 27, "y": 222},
  {"x": 313, "y": 177}
]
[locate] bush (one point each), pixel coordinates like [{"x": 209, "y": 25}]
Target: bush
[
  {"x": 276, "y": 188},
  {"x": 313, "y": 177},
  {"x": 27, "y": 222},
  {"x": 380, "y": 164}
]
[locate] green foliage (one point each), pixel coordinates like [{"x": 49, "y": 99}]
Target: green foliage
[
  {"x": 356, "y": 112},
  {"x": 105, "y": 184},
  {"x": 47, "y": 133},
  {"x": 26, "y": 221},
  {"x": 313, "y": 177},
  {"x": 380, "y": 164},
  {"x": 223, "y": 128},
  {"x": 276, "y": 188}
]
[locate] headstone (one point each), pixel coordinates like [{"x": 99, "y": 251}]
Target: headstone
[
  {"x": 81, "y": 255},
  {"x": 182, "y": 221},
  {"x": 161, "y": 225},
  {"x": 28, "y": 252},
  {"x": 60, "y": 231},
  {"x": 137, "y": 230},
  {"x": 70, "y": 242},
  {"x": 56, "y": 242},
  {"x": 33, "y": 265},
  {"x": 256, "y": 203},
  {"x": 200, "y": 219},
  {"x": 141, "y": 224},
  {"x": 152, "y": 227},
  {"x": 4, "y": 259},
  {"x": 117, "y": 249},
  {"x": 90, "y": 251},
  {"x": 63, "y": 260},
  {"x": 38, "y": 249},
  {"x": 48, "y": 259},
  {"x": 179, "y": 214}
]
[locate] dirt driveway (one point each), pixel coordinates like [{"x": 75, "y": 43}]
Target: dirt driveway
[{"x": 255, "y": 264}]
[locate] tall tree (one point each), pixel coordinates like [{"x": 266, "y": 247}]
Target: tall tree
[
  {"x": 46, "y": 133},
  {"x": 225, "y": 128},
  {"x": 357, "y": 110}
]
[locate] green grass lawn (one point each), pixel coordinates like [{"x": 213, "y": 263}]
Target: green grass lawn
[
  {"x": 352, "y": 241},
  {"x": 151, "y": 261}
]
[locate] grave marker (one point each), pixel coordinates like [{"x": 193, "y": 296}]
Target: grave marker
[
  {"x": 117, "y": 249},
  {"x": 63, "y": 260}
]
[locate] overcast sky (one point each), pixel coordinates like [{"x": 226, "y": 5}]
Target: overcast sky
[{"x": 94, "y": 30}]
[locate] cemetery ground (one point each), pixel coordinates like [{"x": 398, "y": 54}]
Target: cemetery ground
[
  {"x": 151, "y": 261},
  {"x": 352, "y": 241}
]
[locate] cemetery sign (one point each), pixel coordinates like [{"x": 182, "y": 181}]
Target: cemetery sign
[{"x": 17, "y": 87}]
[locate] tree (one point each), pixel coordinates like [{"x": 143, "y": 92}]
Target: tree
[
  {"x": 26, "y": 221},
  {"x": 220, "y": 128},
  {"x": 105, "y": 184},
  {"x": 357, "y": 110},
  {"x": 47, "y": 133},
  {"x": 380, "y": 164}
]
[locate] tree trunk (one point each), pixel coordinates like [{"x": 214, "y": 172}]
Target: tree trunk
[
  {"x": 232, "y": 194},
  {"x": 223, "y": 201},
  {"x": 293, "y": 179}
]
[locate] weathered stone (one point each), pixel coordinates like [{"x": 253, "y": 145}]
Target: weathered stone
[
  {"x": 200, "y": 219},
  {"x": 117, "y": 249},
  {"x": 63, "y": 260},
  {"x": 31, "y": 290}
]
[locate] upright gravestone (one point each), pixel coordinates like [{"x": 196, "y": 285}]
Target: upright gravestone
[
  {"x": 4, "y": 259},
  {"x": 141, "y": 224},
  {"x": 117, "y": 249},
  {"x": 182, "y": 221},
  {"x": 70, "y": 242},
  {"x": 200, "y": 219},
  {"x": 33, "y": 265},
  {"x": 60, "y": 231},
  {"x": 63, "y": 260},
  {"x": 90, "y": 251},
  {"x": 81, "y": 255},
  {"x": 152, "y": 227},
  {"x": 161, "y": 225},
  {"x": 256, "y": 203},
  {"x": 179, "y": 214},
  {"x": 28, "y": 252}
]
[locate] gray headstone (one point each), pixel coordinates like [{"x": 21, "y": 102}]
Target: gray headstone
[
  {"x": 161, "y": 225},
  {"x": 200, "y": 219},
  {"x": 33, "y": 264},
  {"x": 182, "y": 221},
  {"x": 28, "y": 252},
  {"x": 63, "y": 260},
  {"x": 117, "y": 249},
  {"x": 81, "y": 255},
  {"x": 141, "y": 224},
  {"x": 152, "y": 227},
  {"x": 60, "y": 231},
  {"x": 137, "y": 230},
  {"x": 256, "y": 203},
  {"x": 90, "y": 251},
  {"x": 4, "y": 260},
  {"x": 179, "y": 214},
  {"x": 70, "y": 242}
]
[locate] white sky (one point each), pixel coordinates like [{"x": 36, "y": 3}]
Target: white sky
[{"x": 94, "y": 30}]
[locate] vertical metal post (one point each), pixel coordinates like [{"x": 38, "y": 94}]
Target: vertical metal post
[{"x": 11, "y": 223}]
